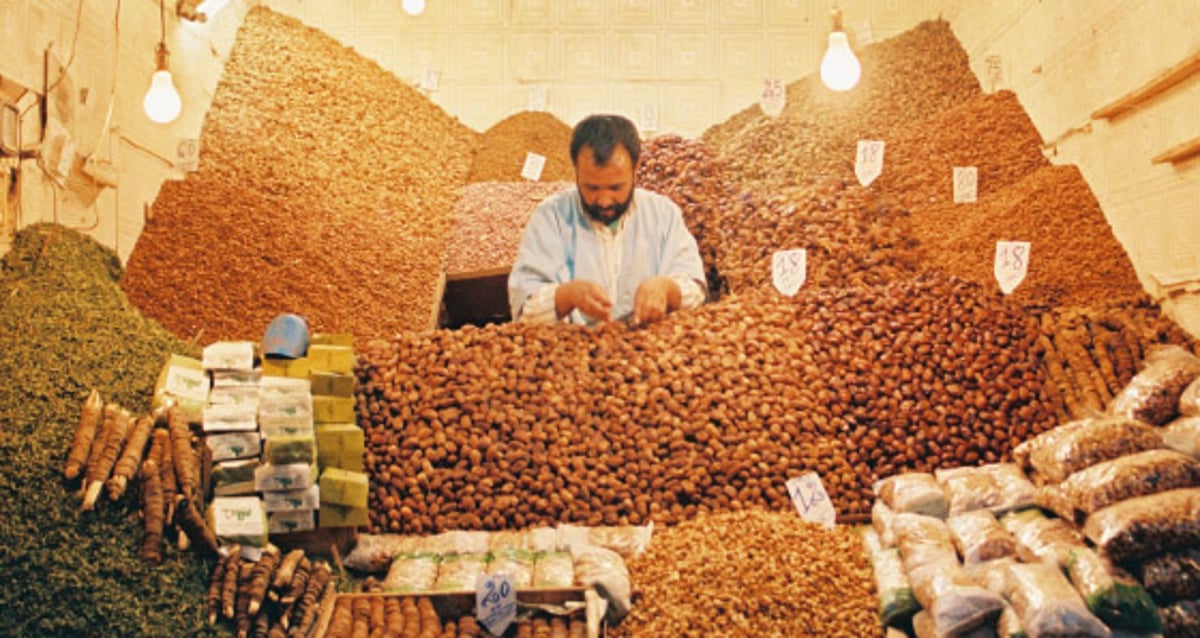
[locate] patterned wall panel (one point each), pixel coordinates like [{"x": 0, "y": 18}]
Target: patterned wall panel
[
  {"x": 536, "y": 56},
  {"x": 579, "y": 100},
  {"x": 584, "y": 13},
  {"x": 635, "y": 55},
  {"x": 791, "y": 54},
  {"x": 535, "y": 13},
  {"x": 687, "y": 12},
  {"x": 736, "y": 96},
  {"x": 475, "y": 104},
  {"x": 740, "y": 13},
  {"x": 384, "y": 48},
  {"x": 741, "y": 56},
  {"x": 688, "y": 56},
  {"x": 636, "y": 13},
  {"x": 687, "y": 107},
  {"x": 479, "y": 12},
  {"x": 421, "y": 52},
  {"x": 477, "y": 57},
  {"x": 631, "y": 99},
  {"x": 334, "y": 17},
  {"x": 584, "y": 55},
  {"x": 790, "y": 13}
]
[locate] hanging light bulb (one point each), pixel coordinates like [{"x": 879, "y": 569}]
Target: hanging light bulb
[
  {"x": 840, "y": 69},
  {"x": 162, "y": 102},
  {"x": 413, "y": 7}
]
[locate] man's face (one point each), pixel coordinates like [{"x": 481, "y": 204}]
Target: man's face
[{"x": 607, "y": 190}]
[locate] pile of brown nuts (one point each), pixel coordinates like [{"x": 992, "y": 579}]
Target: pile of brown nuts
[
  {"x": 710, "y": 410},
  {"x": 504, "y": 146}
]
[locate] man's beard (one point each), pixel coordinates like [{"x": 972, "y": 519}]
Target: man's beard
[{"x": 607, "y": 214}]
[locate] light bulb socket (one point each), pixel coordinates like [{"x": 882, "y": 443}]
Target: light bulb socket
[
  {"x": 161, "y": 57},
  {"x": 836, "y": 14}
]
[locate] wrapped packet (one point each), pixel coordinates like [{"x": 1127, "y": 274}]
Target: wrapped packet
[
  {"x": 1183, "y": 435},
  {"x": 605, "y": 570},
  {"x": 1181, "y": 618},
  {"x": 1154, "y": 393},
  {"x": 1040, "y": 538},
  {"x": 460, "y": 572},
  {"x": 954, "y": 603},
  {"x": 992, "y": 575},
  {"x": 1171, "y": 576},
  {"x": 1048, "y": 605},
  {"x": 455, "y": 542},
  {"x": 626, "y": 540},
  {"x": 373, "y": 553},
  {"x": 1141, "y": 527},
  {"x": 534, "y": 539},
  {"x": 1009, "y": 624},
  {"x": 517, "y": 563},
  {"x": 881, "y": 522},
  {"x": 1112, "y": 594},
  {"x": 921, "y": 539},
  {"x": 1125, "y": 477},
  {"x": 913, "y": 492},
  {"x": 1189, "y": 401},
  {"x": 412, "y": 572},
  {"x": 979, "y": 537},
  {"x": 937, "y": 576},
  {"x": 925, "y": 626},
  {"x": 553, "y": 569},
  {"x": 1085, "y": 445},
  {"x": 996, "y": 487},
  {"x": 1023, "y": 452},
  {"x": 897, "y": 603}
]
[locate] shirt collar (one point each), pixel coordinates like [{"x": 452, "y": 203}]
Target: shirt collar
[{"x": 604, "y": 229}]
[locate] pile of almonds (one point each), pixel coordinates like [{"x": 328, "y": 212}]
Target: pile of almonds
[
  {"x": 503, "y": 147},
  {"x": 751, "y": 574},
  {"x": 710, "y": 410},
  {"x": 337, "y": 209},
  {"x": 489, "y": 219}
]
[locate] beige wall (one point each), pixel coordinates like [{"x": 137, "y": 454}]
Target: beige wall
[
  {"x": 690, "y": 62},
  {"x": 1066, "y": 59}
]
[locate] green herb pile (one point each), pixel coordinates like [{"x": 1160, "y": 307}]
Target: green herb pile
[{"x": 66, "y": 327}]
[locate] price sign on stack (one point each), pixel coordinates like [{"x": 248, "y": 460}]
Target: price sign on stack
[
  {"x": 811, "y": 501},
  {"x": 774, "y": 97},
  {"x": 1012, "y": 262},
  {"x": 789, "y": 269},
  {"x": 868, "y": 163},
  {"x": 495, "y": 602}
]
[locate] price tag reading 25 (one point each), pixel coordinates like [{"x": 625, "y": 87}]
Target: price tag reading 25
[
  {"x": 811, "y": 501},
  {"x": 1011, "y": 265},
  {"x": 495, "y": 602}
]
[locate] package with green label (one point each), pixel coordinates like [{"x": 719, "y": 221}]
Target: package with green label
[
  {"x": 182, "y": 382},
  {"x": 332, "y": 384},
  {"x": 328, "y": 358},
  {"x": 292, "y": 368},
  {"x": 233, "y": 445},
  {"x": 230, "y": 478},
  {"x": 331, "y": 515},
  {"x": 229, "y": 355},
  {"x": 333, "y": 409},
  {"x": 293, "y": 476},
  {"x": 238, "y": 519},
  {"x": 228, "y": 417},
  {"x": 224, "y": 379},
  {"x": 285, "y": 449},
  {"x": 282, "y": 501},
  {"x": 458, "y": 572},
  {"x": 1111, "y": 593},
  {"x": 289, "y": 521},
  {"x": 553, "y": 569},
  {"x": 343, "y": 487},
  {"x": 340, "y": 445},
  {"x": 411, "y": 572},
  {"x": 517, "y": 563}
]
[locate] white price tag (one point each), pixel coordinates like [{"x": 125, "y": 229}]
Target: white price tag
[
  {"x": 532, "y": 170},
  {"x": 1012, "y": 263},
  {"x": 647, "y": 115},
  {"x": 862, "y": 32},
  {"x": 537, "y": 97},
  {"x": 868, "y": 163},
  {"x": 966, "y": 184},
  {"x": 429, "y": 78},
  {"x": 187, "y": 155},
  {"x": 774, "y": 97},
  {"x": 811, "y": 501},
  {"x": 789, "y": 269},
  {"x": 495, "y": 601}
]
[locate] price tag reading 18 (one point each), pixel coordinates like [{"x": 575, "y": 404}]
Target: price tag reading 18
[
  {"x": 868, "y": 164},
  {"x": 1012, "y": 263},
  {"x": 789, "y": 269},
  {"x": 811, "y": 501},
  {"x": 495, "y": 602}
]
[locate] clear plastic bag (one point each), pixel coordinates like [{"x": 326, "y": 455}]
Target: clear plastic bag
[
  {"x": 925, "y": 626},
  {"x": 954, "y": 605},
  {"x": 1112, "y": 594},
  {"x": 1040, "y": 538},
  {"x": 897, "y": 603},
  {"x": 534, "y": 539},
  {"x": 996, "y": 487},
  {"x": 373, "y": 553},
  {"x": 1009, "y": 624},
  {"x": 412, "y": 572},
  {"x": 605, "y": 570},
  {"x": 881, "y": 521},
  {"x": 1128, "y": 476},
  {"x": 1138, "y": 528},
  {"x": 922, "y": 539},
  {"x": 1189, "y": 401},
  {"x": 1171, "y": 576},
  {"x": 460, "y": 572},
  {"x": 979, "y": 537},
  {"x": 912, "y": 492},
  {"x": 553, "y": 569},
  {"x": 1154, "y": 393},
  {"x": 455, "y": 542},
  {"x": 1048, "y": 605},
  {"x": 1183, "y": 435},
  {"x": 517, "y": 563},
  {"x": 1085, "y": 445}
]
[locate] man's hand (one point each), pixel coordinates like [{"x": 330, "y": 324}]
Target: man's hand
[
  {"x": 655, "y": 297},
  {"x": 588, "y": 297}
]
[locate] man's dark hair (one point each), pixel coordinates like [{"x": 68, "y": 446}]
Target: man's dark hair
[{"x": 602, "y": 133}]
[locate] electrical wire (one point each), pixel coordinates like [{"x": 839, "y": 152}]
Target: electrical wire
[{"x": 71, "y": 58}]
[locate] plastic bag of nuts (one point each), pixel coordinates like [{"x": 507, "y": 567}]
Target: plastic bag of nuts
[
  {"x": 914, "y": 492},
  {"x": 996, "y": 487},
  {"x": 897, "y": 603},
  {"x": 954, "y": 603},
  {"x": 922, "y": 539},
  {"x": 373, "y": 553},
  {"x": 1128, "y": 476},
  {"x": 460, "y": 572},
  {"x": 881, "y": 522},
  {"x": 1048, "y": 604},
  {"x": 1171, "y": 576},
  {"x": 517, "y": 563},
  {"x": 1088, "y": 442},
  {"x": 1183, "y": 435},
  {"x": 1040, "y": 538},
  {"x": 412, "y": 572},
  {"x": 553, "y": 569},
  {"x": 1154, "y": 393},
  {"x": 979, "y": 537},
  {"x": 1141, "y": 527},
  {"x": 1112, "y": 594}
]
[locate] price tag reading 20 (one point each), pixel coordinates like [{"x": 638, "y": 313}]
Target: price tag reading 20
[
  {"x": 811, "y": 501},
  {"x": 495, "y": 602},
  {"x": 1012, "y": 263}
]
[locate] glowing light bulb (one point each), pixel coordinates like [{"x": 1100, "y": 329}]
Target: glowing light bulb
[
  {"x": 162, "y": 102},
  {"x": 413, "y": 7},
  {"x": 840, "y": 69}
]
